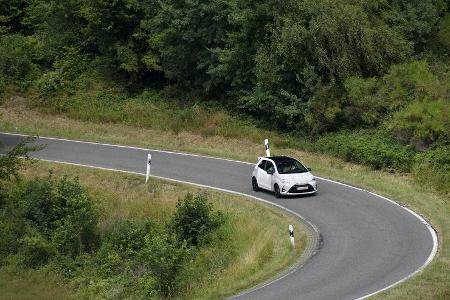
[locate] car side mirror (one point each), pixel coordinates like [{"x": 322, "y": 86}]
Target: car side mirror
[
  {"x": 270, "y": 172},
  {"x": 309, "y": 169}
]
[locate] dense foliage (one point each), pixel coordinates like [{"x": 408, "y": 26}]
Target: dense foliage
[
  {"x": 194, "y": 219},
  {"x": 299, "y": 66},
  {"x": 54, "y": 223}
]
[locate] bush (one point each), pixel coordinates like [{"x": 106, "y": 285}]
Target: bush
[
  {"x": 165, "y": 257},
  {"x": 194, "y": 219},
  {"x": 37, "y": 204},
  {"x": 422, "y": 123},
  {"x": 369, "y": 101},
  {"x": 75, "y": 218},
  {"x": 325, "y": 110},
  {"x": 66, "y": 69},
  {"x": 17, "y": 60},
  {"x": 127, "y": 237},
  {"x": 12, "y": 225},
  {"x": 443, "y": 35},
  {"x": 11, "y": 231},
  {"x": 371, "y": 148},
  {"x": 433, "y": 167},
  {"x": 35, "y": 250},
  {"x": 149, "y": 285},
  {"x": 61, "y": 211}
]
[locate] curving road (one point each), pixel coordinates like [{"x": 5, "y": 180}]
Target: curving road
[{"x": 369, "y": 243}]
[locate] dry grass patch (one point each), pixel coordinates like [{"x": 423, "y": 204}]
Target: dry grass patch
[{"x": 30, "y": 286}]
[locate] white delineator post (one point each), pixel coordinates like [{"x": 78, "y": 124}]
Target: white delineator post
[
  {"x": 149, "y": 163},
  {"x": 291, "y": 235},
  {"x": 266, "y": 143}
]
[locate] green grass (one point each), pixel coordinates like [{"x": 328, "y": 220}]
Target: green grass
[
  {"x": 251, "y": 255},
  {"x": 30, "y": 285},
  {"x": 433, "y": 282}
]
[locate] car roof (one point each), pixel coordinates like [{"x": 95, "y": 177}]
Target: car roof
[
  {"x": 275, "y": 159},
  {"x": 279, "y": 158}
]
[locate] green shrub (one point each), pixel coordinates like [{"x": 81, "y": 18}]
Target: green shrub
[
  {"x": 11, "y": 230},
  {"x": 417, "y": 19},
  {"x": 443, "y": 35},
  {"x": 433, "y": 167},
  {"x": 165, "y": 257},
  {"x": 18, "y": 55},
  {"x": 194, "y": 219},
  {"x": 325, "y": 110},
  {"x": 127, "y": 237},
  {"x": 62, "y": 77},
  {"x": 35, "y": 250},
  {"x": 422, "y": 123},
  {"x": 12, "y": 224},
  {"x": 63, "y": 212},
  {"x": 149, "y": 285},
  {"x": 37, "y": 204},
  {"x": 363, "y": 105},
  {"x": 369, "y": 101},
  {"x": 49, "y": 83},
  {"x": 371, "y": 148},
  {"x": 75, "y": 218}
]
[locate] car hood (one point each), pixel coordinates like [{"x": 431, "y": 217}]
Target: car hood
[{"x": 300, "y": 178}]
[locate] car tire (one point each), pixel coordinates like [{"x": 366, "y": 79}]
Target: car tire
[
  {"x": 255, "y": 184},
  {"x": 276, "y": 189}
]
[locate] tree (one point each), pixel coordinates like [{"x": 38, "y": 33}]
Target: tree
[
  {"x": 12, "y": 13},
  {"x": 417, "y": 19},
  {"x": 184, "y": 32},
  {"x": 14, "y": 160},
  {"x": 315, "y": 46}
]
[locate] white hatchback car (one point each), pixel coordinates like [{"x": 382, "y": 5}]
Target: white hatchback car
[{"x": 283, "y": 175}]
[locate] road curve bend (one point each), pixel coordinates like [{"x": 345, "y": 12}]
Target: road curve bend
[{"x": 370, "y": 243}]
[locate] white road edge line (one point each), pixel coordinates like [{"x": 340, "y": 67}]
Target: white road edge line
[
  {"x": 289, "y": 271},
  {"x": 127, "y": 147},
  {"x": 421, "y": 219}
]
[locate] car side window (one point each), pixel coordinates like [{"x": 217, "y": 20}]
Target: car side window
[
  {"x": 270, "y": 167},
  {"x": 262, "y": 165}
]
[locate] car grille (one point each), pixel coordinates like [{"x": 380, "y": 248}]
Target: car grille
[{"x": 294, "y": 189}]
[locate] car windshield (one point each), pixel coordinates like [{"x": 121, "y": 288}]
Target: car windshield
[{"x": 287, "y": 165}]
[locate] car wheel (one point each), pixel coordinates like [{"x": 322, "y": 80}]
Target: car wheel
[
  {"x": 277, "y": 191},
  {"x": 255, "y": 184}
]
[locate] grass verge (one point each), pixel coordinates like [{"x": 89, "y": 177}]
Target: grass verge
[
  {"x": 30, "y": 285},
  {"x": 253, "y": 255},
  {"x": 432, "y": 283}
]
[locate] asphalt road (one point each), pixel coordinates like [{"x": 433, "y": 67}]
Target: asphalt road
[{"x": 369, "y": 243}]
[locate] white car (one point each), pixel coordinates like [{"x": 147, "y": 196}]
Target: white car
[{"x": 283, "y": 175}]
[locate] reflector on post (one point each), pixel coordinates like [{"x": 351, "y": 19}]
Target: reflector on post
[
  {"x": 266, "y": 143},
  {"x": 291, "y": 235},
  {"x": 149, "y": 163}
]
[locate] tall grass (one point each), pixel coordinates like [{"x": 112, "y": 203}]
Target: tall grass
[{"x": 151, "y": 110}]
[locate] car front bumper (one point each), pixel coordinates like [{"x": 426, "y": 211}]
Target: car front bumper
[{"x": 299, "y": 189}]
